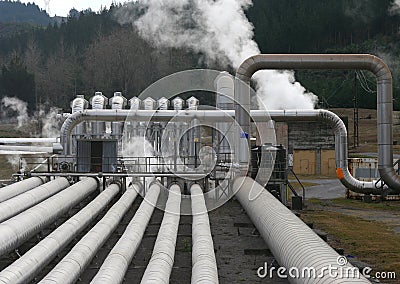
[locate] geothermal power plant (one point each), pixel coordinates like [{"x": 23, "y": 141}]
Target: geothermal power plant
[{"x": 158, "y": 189}]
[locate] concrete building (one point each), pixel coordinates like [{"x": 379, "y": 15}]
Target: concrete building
[{"x": 312, "y": 145}]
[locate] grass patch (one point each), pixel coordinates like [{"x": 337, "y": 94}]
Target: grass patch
[
  {"x": 370, "y": 241},
  {"x": 6, "y": 170},
  {"x": 393, "y": 206},
  {"x": 11, "y": 131}
]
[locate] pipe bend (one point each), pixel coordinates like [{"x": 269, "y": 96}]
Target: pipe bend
[{"x": 337, "y": 61}]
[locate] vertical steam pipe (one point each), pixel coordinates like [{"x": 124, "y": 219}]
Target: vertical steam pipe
[
  {"x": 117, "y": 102},
  {"x": 179, "y": 128},
  {"x": 225, "y": 91},
  {"x": 98, "y": 102},
  {"x": 204, "y": 264},
  {"x": 148, "y": 104},
  {"x": 194, "y": 132},
  {"x": 133, "y": 130},
  {"x": 79, "y": 104},
  {"x": 116, "y": 264},
  {"x": 160, "y": 265}
]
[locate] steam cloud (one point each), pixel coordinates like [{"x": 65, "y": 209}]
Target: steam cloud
[
  {"x": 49, "y": 121},
  {"x": 220, "y": 30},
  {"x": 50, "y": 125},
  {"x": 395, "y": 8},
  {"x": 142, "y": 151},
  {"x": 18, "y": 107}
]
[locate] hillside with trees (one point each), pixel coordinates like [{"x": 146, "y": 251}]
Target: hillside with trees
[
  {"x": 17, "y": 12},
  {"x": 90, "y": 51}
]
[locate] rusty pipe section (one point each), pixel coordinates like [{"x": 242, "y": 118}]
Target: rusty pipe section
[{"x": 330, "y": 61}]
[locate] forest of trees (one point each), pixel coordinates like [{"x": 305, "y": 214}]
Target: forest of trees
[{"x": 90, "y": 51}]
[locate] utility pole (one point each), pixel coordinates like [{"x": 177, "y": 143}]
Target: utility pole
[{"x": 355, "y": 111}]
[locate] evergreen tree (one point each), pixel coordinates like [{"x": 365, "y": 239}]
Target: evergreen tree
[{"x": 16, "y": 81}]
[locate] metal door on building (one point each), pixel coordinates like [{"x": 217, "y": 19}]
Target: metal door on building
[{"x": 304, "y": 167}]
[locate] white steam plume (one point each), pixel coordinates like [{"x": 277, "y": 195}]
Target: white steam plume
[
  {"x": 220, "y": 30},
  {"x": 138, "y": 153},
  {"x": 50, "y": 122},
  {"x": 18, "y": 107},
  {"x": 395, "y": 8}
]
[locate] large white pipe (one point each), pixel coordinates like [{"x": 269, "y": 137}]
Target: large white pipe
[
  {"x": 32, "y": 262},
  {"x": 28, "y": 140},
  {"x": 291, "y": 241},
  {"x": 17, "y": 204},
  {"x": 21, "y": 227},
  {"x": 225, "y": 87},
  {"x": 17, "y": 188},
  {"x": 162, "y": 260},
  {"x": 204, "y": 264},
  {"x": 42, "y": 149},
  {"x": 116, "y": 264},
  {"x": 74, "y": 263}
]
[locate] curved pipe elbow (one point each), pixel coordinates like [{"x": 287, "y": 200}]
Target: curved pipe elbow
[{"x": 340, "y": 61}]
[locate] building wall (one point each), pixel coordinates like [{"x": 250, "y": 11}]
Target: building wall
[
  {"x": 310, "y": 135},
  {"x": 314, "y": 162}
]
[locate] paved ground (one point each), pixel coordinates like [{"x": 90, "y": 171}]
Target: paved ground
[{"x": 326, "y": 189}]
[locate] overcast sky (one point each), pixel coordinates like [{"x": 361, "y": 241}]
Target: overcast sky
[{"x": 62, "y": 7}]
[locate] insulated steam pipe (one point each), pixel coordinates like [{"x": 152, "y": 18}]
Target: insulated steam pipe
[
  {"x": 25, "y": 268},
  {"x": 29, "y": 140},
  {"x": 21, "y": 227},
  {"x": 341, "y": 145},
  {"x": 204, "y": 264},
  {"x": 116, "y": 264},
  {"x": 74, "y": 263},
  {"x": 331, "y": 61},
  {"x": 17, "y": 188},
  {"x": 332, "y": 119},
  {"x": 17, "y": 204},
  {"x": 160, "y": 265},
  {"x": 79, "y": 104},
  {"x": 293, "y": 243}
]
